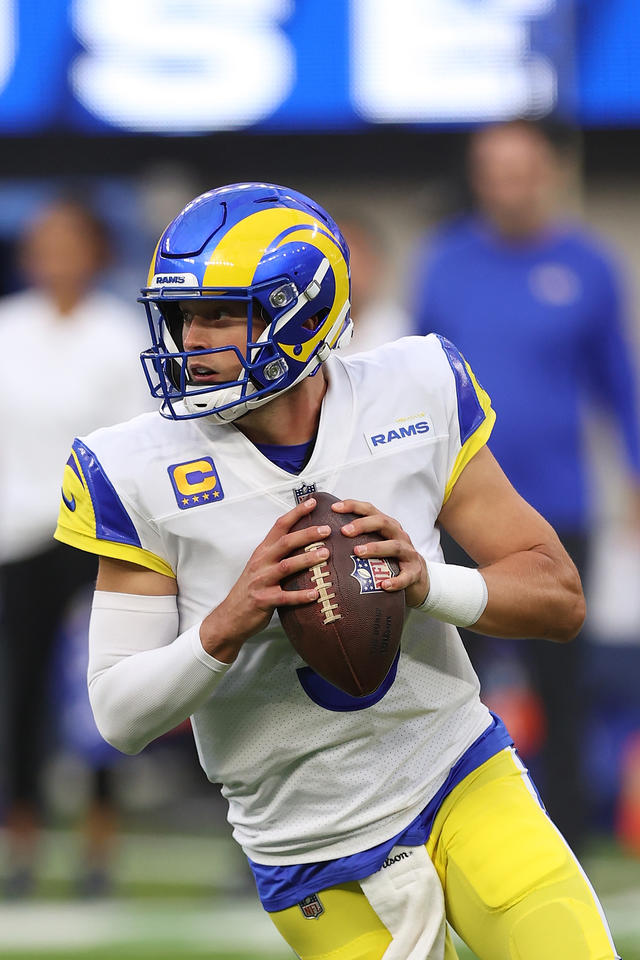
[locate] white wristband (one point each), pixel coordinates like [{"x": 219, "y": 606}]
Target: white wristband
[{"x": 456, "y": 595}]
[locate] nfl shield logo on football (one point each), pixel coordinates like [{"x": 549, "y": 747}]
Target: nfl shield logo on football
[
  {"x": 311, "y": 907},
  {"x": 370, "y": 573},
  {"x": 304, "y": 492}
]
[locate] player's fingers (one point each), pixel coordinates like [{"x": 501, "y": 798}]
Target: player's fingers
[
  {"x": 380, "y": 523},
  {"x": 398, "y": 549},
  {"x": 298, "y": 540},
  {"x": 291, "y": 598},
  {"x": 361, "y": 507},
  {"x": 410, "y": 567},
  {"x": 312, "y": 555},
  {"x": 275, "y": 596},
  {"x": 408, "y": 575},
  {"x": 284, "y": 523}
]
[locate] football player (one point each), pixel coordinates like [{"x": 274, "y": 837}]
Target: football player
[{"x": 343, "y": 807}]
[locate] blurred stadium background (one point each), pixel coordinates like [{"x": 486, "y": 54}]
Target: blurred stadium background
[{"x": 364, "y": 104}]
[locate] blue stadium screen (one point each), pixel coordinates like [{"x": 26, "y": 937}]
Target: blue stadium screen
[{"x": 197, "y": 66}]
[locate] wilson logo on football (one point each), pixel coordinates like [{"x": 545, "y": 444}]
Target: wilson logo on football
[{"x": 371, "y": 573}]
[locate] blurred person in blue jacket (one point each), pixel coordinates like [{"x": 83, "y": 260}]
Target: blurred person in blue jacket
[
  {"x": 65, "y": 379},
  {"x": 537, "y": 305}
]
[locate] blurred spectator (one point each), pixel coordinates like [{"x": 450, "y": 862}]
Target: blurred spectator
[
  {"x": 70, "y": 366},
  {"x": 377, "y": 317},
  {"x": 537, "y": 306}
]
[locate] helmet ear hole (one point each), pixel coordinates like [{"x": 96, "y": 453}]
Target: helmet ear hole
[
  {"x": 316, "y": 320},
  {"x": 173, "y": 373},
  {"x": 259, "y": 313},
  {"x": 173, "y": 319}
]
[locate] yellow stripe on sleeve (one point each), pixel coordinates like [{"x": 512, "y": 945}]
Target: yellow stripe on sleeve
[
  {"x": 118, "y": 551},
  {"x": 477, "y": 439}
]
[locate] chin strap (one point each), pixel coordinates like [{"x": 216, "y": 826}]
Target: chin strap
[{"x": 344, "y": 339}]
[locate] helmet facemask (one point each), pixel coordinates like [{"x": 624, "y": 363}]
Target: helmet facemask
[{"x": 260, "y": 371}]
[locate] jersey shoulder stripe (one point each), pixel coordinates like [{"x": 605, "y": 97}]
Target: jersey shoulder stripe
[
  {"x": 476, "y": 416},
  {"x": 470, "y": 410},
  {"x": 92, "y": 516}
]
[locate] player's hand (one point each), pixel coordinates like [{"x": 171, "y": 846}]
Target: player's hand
[
  {"x": 249, "y": 605},
  {"x": 413, "y": 576}
]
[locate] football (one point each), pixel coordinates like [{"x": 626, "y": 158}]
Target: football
[{"x": 351, "y": 634}]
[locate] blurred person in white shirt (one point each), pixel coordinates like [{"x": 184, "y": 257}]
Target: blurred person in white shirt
[{"x": 61, "y": 377}]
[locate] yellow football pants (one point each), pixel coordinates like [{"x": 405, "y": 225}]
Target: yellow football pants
[{"x": 512, "y": 888}]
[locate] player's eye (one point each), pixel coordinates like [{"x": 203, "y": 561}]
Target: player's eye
[{"x": 212, "y": 316}]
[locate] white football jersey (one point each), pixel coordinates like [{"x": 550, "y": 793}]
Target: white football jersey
[{"x": 307, "y": 776}]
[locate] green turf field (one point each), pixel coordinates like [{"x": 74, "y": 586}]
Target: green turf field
[
  {"x": 145, "y": 952},
  {"x": 189, "y": 897},
  {"x": 134, "y": 953}
]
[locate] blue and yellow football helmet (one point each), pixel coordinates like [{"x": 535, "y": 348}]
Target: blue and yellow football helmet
[{"x": 271, "y": 247}]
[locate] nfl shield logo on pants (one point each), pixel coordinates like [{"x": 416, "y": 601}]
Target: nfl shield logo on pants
[{"x": 311, "y": 907}]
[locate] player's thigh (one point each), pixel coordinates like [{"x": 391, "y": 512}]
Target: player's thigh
[
  {"x": 347, "y": 929},
  {"x": 513, "y": 889},
  {"x": 396, "y": 913}
]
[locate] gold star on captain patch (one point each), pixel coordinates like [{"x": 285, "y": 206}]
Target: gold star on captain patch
[
  {"x": 185, "y": 500},
  {"x": 215, "y": 493},
  {"x": 205, "y": 496},
  {"x": 195, "y": 499}
]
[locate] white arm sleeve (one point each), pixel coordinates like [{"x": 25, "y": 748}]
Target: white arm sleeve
[{"x": 143, "y": 679}]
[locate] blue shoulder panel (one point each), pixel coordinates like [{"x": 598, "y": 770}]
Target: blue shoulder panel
[
  {"x": 470, "y": 412},
  {"x": 112, "y": 520}
]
